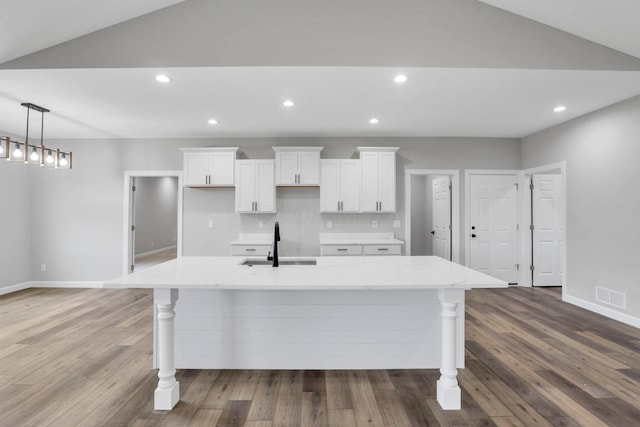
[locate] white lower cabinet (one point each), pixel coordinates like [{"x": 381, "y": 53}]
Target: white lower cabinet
[
  {"x": 332, "y": 244},
  {"x": 250, "y": 250},
  {"x": 327, "y": 250},
  {"x": 255, "y": 190}
]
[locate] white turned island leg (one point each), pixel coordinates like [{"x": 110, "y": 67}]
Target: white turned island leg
[
  {"x": 167, "y": 393},
  {"x": 448, "y": 390}
]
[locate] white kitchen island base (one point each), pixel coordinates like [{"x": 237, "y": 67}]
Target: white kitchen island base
[{"x": 340, "y": 280}]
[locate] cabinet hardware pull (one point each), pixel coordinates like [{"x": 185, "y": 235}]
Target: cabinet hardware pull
[
  {"x": 250, "y": 249},
  {"x": 338, "y": 205},
  {"x": 342, "y": 250},
  {"x": 380, "y": 206},
  {"x": 383, "y": 249}
]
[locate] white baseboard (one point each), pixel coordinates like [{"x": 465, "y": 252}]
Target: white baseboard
[
  {"x": 155, "y": 251},
  {"x": 605, "y": 311},
  {"x": 15, "y": 288},
  {"x": 66, "y": 284}
]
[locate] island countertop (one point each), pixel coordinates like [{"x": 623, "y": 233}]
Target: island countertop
[{"x": 330, "y": 273}]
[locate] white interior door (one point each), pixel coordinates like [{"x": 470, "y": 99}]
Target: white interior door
[
  {"x": 441, "y": 217},
  {"x": 548, "y": 229},
  {"x": 493, "y": 235}
]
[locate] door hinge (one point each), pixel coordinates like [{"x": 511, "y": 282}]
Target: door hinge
[
  {"x": 517, "y": 227},
  {"x": 531, "y": 267},
  {"x": 531, "y": 186},
  {"x": 450, "y": 187},
  {"x": 133, "y": 188},
  {"x": 132, "y": 267},
  {"x": 450, "y": 227},
  {"x": 517, "y": 186},
  {"x": 133, "y": 228},
  {"x": 517, "y": 267},
  {"x": 531, "y": 227}
]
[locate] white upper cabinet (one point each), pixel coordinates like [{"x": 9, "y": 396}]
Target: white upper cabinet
[
  {"x": 255, "y": 190},
  {"x": 340, "y": 185},
  {"x": 297, "y": 166},
  {"x": 209, "y": 167},
  {"x": 378, "y": 165}
]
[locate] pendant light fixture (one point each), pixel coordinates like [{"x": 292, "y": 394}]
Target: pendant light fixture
[{"x": 32, "y": 154}]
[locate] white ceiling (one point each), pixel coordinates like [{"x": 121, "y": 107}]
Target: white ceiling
[
  {"x": 612, "y": 23},
  {"x": 27, "y": 26},
  {"x": 330, "y": 101}
]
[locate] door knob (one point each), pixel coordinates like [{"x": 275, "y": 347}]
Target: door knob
[
  {"x": 473, "y": 236},
  {"x": 433, "y": 232},
  {"x": 473, "y": 227}
]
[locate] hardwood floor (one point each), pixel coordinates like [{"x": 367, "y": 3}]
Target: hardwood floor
[
  {"x": 146, "y": 261},
  {"x": 71, "y": 357}
]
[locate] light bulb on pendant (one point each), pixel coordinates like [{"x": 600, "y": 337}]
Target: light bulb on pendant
[
  {"x": 49, "y": 159},
  {"x": 34, "y": 155},
  {"x": 63, "y": 160},
  {"x": 17, "y": 153}
]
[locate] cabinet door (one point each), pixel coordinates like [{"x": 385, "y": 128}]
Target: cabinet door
[
  {"x": 245, "y": 186},
  {"x": 387, "y": 181},
  {"x": 222, "y": 168},
  {"x": 350, "y": 185},
  {"x": 265, "y": 189},
  {"x": 370, "y": 182},
  {"x": 196, "y": 168},
  {"x": 330, "y": 185},
  {"x": 286, "y": 167},
  {"x": 309, "y": 168}
]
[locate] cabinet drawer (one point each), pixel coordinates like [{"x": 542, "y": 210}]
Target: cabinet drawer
[
  {"x": 248, "y": 250},
  {"x": 341, "y": 250},
  {"x": 382, "y": 249}
]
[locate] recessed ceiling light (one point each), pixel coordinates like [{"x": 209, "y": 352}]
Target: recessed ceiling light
[
  {"x": 374, "y": 121},
  {"x": 400, "y": 78},
  {"x": 212, "y": 121},
  {"x": 559, "y": 108},
  {"x": 288, "y": 103},
  {"x": 162, "y": 78}
]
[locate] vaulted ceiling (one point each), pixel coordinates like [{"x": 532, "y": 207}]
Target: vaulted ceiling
[{"x": 473, "y": 69}]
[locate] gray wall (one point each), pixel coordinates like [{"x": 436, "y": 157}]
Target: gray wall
[
  {"x": 413, "y": 33},
  {"x": 602, "y": 151},
  {"x": 420, "y": 216},
  {"x": 16, "y": 222},
  {"x": 80, "y": 212},
  {"x": 156, "y": 213}
]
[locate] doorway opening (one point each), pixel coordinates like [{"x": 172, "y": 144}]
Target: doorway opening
[
  {"x": 544, "y": 237},
  {"x": 432, "y": 213},
  {"x": 152, "y": 218}
]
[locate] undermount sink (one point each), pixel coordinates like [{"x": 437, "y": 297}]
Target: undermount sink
[{"x": 252, "y": 262}]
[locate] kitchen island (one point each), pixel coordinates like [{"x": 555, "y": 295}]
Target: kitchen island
[{"x": 310, "y": 316}]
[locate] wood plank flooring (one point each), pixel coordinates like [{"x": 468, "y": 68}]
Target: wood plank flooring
[
  {"x": 146, "y": 261},
  {"x": 82, "y": 357}
]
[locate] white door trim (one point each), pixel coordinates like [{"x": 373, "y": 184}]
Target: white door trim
[
  {"x": 467, "y": 201},
  {"x": 126, "y": 236},
  {"x": 455, "y": 207},
  {"x": 524, "y": 218}
]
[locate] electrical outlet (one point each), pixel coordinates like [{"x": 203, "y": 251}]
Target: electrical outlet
[
  {"x": 210, "y": 223},
  {"x": 396, "y": 223},
  {"x": 374, "y": 224},
  {"x": 260, "y": 224},
  {"x": 329, "y": 224},
  {"x": 43, "y": 267}
]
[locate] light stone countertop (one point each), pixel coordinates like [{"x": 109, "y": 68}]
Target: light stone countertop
[
  {"x": 359, "y": 239},
  {"x": 330, "y": 273}
]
